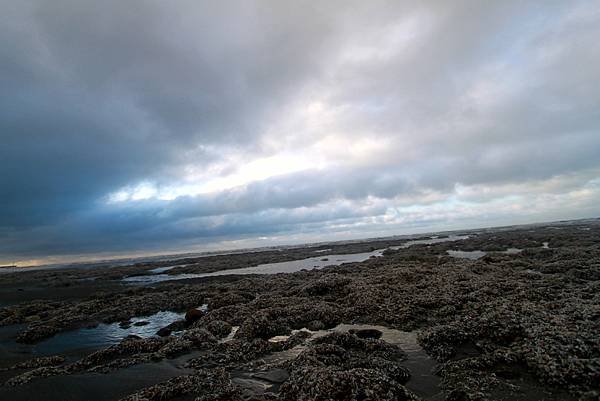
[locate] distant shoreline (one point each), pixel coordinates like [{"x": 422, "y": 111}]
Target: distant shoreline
[{"x": 126, "y": 261}]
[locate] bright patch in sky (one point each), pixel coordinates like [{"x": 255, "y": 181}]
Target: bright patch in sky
[
  {"x": 197, "y": 182},
  {"x": 195, "y": 125}
]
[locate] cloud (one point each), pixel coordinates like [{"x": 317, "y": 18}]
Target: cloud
[{"x": 146, "y": 125}]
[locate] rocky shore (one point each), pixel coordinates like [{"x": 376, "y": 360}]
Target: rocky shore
[{"x": 522, "y": 325}]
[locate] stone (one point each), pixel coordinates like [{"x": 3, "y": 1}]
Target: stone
[{"x": 193, "y": 314}]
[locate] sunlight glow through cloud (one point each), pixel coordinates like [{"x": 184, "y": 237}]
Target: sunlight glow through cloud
[
  {"x": 197, "y": 183},
  {"x": 230, "y": 123}
]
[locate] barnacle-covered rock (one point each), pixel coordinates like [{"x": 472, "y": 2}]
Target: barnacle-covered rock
[
  {"x": 204, "y": 385},
  {"x": 26, "y": 377},
  {"x": 40, "y": 362},
  {"x": 342, "y": 366},
  {"x": 261, "y": 325},
  {"x": 315, "y": 384}
]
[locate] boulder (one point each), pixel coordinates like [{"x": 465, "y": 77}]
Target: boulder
[
  {"x": 164, "y": 332},
  {"x": 193, "y": 314}
]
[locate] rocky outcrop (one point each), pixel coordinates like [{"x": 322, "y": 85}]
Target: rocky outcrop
[
  {"x": 342, "y": 366},
  {"x": 532, "y": 316},
  {"x": 203, "y": 385},
  {"x": 41, "y": 362},
  {"x": 192, "y": 315}
]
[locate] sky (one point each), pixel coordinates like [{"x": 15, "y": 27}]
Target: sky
[{"x": 144, "y": 127}]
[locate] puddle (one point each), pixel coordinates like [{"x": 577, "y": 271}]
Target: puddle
[
  {"x": 423, "y": 382},
  {"x": 125, "y": 381},
  {"x": 157, "y": 278},
  {"x": 474, "y": 255},
  {"x": 106, "y": 334},
  {"x": 522, "y": 386},
  {"x": 98, "y": 387},
  {"x": 11, "y": 352},
  {"x": 317, "y": 262},
  {"x": 79, "y": 342},
  {"x": 164, "y": 269}
]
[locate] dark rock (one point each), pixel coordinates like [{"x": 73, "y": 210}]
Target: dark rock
[
  {"x": 316, "y": 383},
  {"x": 261, "y": 326},
  {"x": 332, "y": 284},
  {"x": 164, "y": 332},
  {"x": 218, "y": 328},
  {"x": 40, "y": 362},
  {"x": 178, "y": 325},
  {"x": 230, "y": 298},
  {"x": 367, "y": 333},
  {"x": 27, "y": 377},
  {"x": 125, "y": 324},
  {"x": 199, "y": 337},
  {"x": 35, "y": 333},
  {"x": 142, "y": 323},
  {"x": 193, "y": 314},
  {"x": 203, "y": 385},
  {"x": 133, "y": 337}
]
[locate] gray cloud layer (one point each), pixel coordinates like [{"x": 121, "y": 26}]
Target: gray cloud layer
[{"x": 422, "y": 112}]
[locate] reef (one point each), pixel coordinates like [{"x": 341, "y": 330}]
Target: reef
[{"x": 520, "y": 325}]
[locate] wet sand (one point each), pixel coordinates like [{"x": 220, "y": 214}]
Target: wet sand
[{"x": 498, "y": 314}]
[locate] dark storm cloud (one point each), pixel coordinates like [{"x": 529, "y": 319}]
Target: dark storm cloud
[
  {"x": 96, "y": 95},
  {"x": 101, "y": 96}
]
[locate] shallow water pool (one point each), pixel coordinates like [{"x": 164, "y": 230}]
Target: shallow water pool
[{"x": 316, "y": 262}]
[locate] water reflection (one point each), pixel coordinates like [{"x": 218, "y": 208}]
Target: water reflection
[
  {"x": 316, "y": 262},
  {"x": 474, "y": 255},
  {"x": 164, "y": 269},
  {"x": 76, "y": 341},
  {"x": 104, "y": 335}
]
